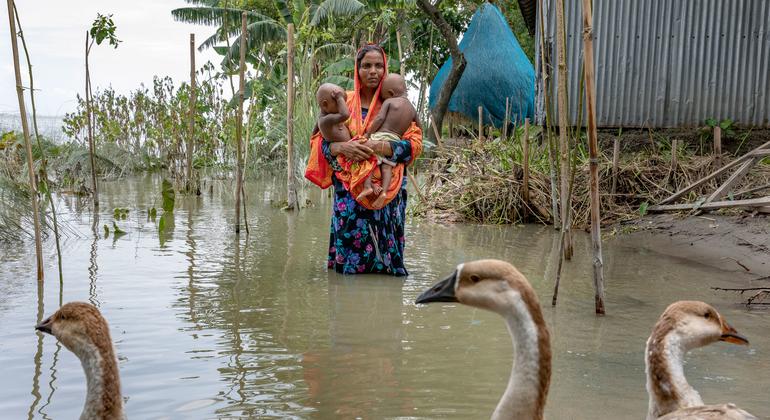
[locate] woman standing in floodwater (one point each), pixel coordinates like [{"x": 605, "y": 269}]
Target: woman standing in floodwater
[{"x": 362, "y": 239}]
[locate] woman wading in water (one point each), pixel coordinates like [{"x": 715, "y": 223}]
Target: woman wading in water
[{"x": 364, "y": 239}]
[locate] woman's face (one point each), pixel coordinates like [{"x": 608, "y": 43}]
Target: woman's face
[{"x": 371, "y": 69}]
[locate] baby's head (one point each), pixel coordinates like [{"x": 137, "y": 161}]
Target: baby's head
[
  {"x": 393, "y": 86},
  {"x": 326, "y": 97}
]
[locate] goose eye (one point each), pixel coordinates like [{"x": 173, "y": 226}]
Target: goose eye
[
  {"x": 475, "y": 278},
  {"x": 707, "y": 315}
]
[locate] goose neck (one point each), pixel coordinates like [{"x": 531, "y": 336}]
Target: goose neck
[{"x": 667, "y": 386}]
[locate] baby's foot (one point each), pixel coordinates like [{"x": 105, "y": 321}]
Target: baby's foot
[
  {"x": 365, "y": 193},
  {"x": 377, "y": 189},
  {"x": 379, "y": 202}
]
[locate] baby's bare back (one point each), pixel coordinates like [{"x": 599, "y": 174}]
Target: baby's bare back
[
  {"x": 331, "y": 129},
  {"x": 399, "y": 117}
]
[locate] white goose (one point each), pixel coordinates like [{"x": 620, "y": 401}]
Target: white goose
[
  {"x": 83, "y": 330},
  {"x": 498, "y": 287},
  {"x": 683, "y": 326}
]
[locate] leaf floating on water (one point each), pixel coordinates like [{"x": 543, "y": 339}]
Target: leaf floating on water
[
  {"x": 168, "y": 196},
  {"x": 118, "y": 231}
]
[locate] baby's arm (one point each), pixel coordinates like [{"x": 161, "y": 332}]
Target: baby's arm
[{"x": 379, "y": 119}]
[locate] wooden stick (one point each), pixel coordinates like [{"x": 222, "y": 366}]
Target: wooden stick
[
  {"x": 674, "y": 154},
  {"x": 563, "y": 108},
  {"x": 593, "y": 152},
  {"x": 717, "y": 145},
  {"x": 191, "y": 123},
  {"x": 734, "y": 178},
  {"x": 27, "y": 145},
  {"x": 615, "y": 163},
  {"x": 481, "y": 127},
  {"x": 291, "y": 190},
  {"x": 435, "y": 131},
  {"x": 416, "y": 185},
  {"x": 755, "y": 152},
  {"x": 239, "y": 127},
  {"x": 400, "y": 53},
  {"x": 505, "y": 119},
  {"x": 754, "y": 202},
  {"x": 752, "y": 190},
  {"x": 525, "y": 148}
]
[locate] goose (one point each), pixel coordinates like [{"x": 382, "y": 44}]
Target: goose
[
  {"x": 498, "y": 287},
  {"x": 683, "y": 326},
  {"x": 83, "y": 331}
]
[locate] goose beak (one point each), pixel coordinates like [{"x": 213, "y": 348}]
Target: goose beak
[
  {"x": 45, "y": 326},
  {"x": 729, "y": 335},
  {"x": 443, "y": 291}
]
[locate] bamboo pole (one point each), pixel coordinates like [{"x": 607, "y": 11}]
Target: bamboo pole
[
  {"x": 481, "y": 124},
  {"x": 525, "y": 147},
  {"x": 593, "y": 146},
  {"x": 291, "y": 191},
  {"x": 89, "y": 121},
  {"x": 566, "y": 205},
  {"x": 718, "y": 146},
  {"x": 615, "y": 163},
  {"x": 545, "y": 75},
  {"x": 27, "y": 144},
  {"x": 239, "y": 127},
  {"x": 191, "y": 124}
]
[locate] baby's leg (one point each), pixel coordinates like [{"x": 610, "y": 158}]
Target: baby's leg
[
  {"x": 387, "y": 174},
  {"x": 369, "y": 187}
]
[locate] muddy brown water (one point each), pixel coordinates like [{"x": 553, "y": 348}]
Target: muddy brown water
[{"x": 207, "y": 326}]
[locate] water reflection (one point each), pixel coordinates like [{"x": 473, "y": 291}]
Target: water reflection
[
  {"x": 209, "y": 325},
  {"x": 358, "y": 375}
]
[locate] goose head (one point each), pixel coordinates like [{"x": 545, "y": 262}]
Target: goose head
[
  {"x": 486, "y": 284},
  {"x": 696, "y": 324},
  {"x": 79, "y": 326}
]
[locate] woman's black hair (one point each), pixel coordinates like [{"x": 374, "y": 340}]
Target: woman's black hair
[{"x": 365, "y": 49}]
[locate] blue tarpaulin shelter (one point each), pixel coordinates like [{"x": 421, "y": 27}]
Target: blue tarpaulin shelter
[{"x": 496, "y": 68}]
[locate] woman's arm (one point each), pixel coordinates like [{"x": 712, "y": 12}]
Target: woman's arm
[{"x": 352, "y": 150}]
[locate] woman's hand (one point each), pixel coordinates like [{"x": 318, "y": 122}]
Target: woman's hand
[
  {"x": 381, "y": 147},
  {"x": 352, "y": 150}
]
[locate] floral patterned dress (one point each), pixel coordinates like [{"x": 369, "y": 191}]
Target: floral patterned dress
[{"x": 363, "y": 240}]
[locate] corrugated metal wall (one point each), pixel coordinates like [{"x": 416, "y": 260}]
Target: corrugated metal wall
[{"x": 666, "y": 63}]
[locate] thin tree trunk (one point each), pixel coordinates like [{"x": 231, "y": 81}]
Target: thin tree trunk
[
  {"x": 291, "y": 197},
  {"x": 593, "y": 146},
  {"x": 425, "y": 79},
  {"x": 566, "y": 205},
  {"x": 89, "y": 121},
  {"x": 27, "y": 144},
  {"x": 458, "y": 61},
  {"x": 239, "y": 127},
  {"x": 400, "y": 53},
  {"x": 191, "y": 124},
  {"x": 44, "y": 162}
]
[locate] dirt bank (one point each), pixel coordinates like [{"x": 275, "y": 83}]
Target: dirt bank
[{"x": 738, "y": 243}]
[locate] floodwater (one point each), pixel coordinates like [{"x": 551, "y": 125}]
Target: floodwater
[{"x": 208, "y": 326}]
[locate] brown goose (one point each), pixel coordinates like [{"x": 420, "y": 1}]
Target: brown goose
[
  {"x": 683, "y": 326},
  {"x": 498, "y": 287},
  {"x": 83, "y": 330}
]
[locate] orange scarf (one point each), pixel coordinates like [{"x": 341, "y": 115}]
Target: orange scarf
[{"x": 318, "y": 170}]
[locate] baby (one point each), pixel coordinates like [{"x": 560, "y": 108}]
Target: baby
[
  {"x": 334, "y": 112},
  {"x": 394, "y": 118}
]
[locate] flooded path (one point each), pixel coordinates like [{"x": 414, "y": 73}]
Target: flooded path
[{"x": 209, "y": 327}]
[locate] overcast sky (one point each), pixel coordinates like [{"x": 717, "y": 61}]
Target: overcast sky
[{"x": 153, "y": 44}]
